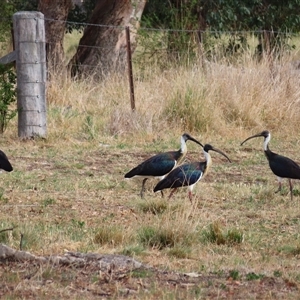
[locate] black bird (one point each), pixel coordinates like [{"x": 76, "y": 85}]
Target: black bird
[
  {"x": 281, "y": 166},
  {"x": 188, "y": 174},
  {"x": 4, "y": 162},
  {"x": 161, "y": 164}
]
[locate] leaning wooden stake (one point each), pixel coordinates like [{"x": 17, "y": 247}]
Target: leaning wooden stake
[
  {"x": 29, "y": 37},
  {"x": 130, "y": 73}
]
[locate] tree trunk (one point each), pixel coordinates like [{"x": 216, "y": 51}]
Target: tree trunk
[
  {"x": 102, "y": 49},
  {"x": 56, "y": 13}
]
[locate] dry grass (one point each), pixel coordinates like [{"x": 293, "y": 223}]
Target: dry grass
[
  {"x": 68, "y": 192},
  {"x": 222, "y": 99}
]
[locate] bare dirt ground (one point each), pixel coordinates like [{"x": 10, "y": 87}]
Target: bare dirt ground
[{"x": 32, "y": 280}]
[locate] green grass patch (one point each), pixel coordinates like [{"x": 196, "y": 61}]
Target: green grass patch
[
  {"x": 254, "y": 276},
  {"x": 156, "y": 237},
  {"x": 215, "y": 235},
  {"x": 290, "y": 250}
]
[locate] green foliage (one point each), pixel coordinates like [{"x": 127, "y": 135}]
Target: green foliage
[
  {"x": 177, "y": 18},
  {"x": 269, "y": 19},
  {"x": 7, "y": 96},
  {"x": 79, "y": 15},
  {"x": 7, "y": 11},
  {"x": 8, "y": 8},
  {"x": 171, "y": 14}
]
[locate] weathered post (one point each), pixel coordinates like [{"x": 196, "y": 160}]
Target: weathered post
[
  {"x": 29, "y": 37},
  {"x": 130, "y": 74}
]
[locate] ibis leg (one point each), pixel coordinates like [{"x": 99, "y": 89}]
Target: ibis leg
[
  {"x": 191, "y": 196},
  {"x": 279, "y": 187},
  {"x": 143, "y": 187},
  {"x": 172, "y": 192},
  {"x": 162, "y": 193},
  {"x": 291, "y": 188}
]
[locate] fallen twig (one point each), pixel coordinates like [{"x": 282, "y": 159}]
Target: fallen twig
[{"x": 7, "y": 229}]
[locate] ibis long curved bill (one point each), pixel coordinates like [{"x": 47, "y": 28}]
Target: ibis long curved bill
[
  {"x": 264, "y": 134},
  {"x": 219, "y": 151}
]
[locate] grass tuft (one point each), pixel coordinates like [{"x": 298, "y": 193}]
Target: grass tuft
[
  {"x": 180, "y": 252},
  {"x": 253, "y": 276},
  {"x": 290, "y": 250},
  {"x": 133, "y": 250},
  {"x": 158, "y": 238},
  {"x": 215, "y": 235},
  {"x": 4, "y": 237},
  {"x": 154, "y": 207},
  {"x": 234, "y": 274},
  {"x": 109, "y": 235}
]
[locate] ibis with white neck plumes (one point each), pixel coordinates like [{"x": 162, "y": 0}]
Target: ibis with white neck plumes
[
  {"x": 281, "y": 166},
  {"x": 161, "y": 164},
  {"x": 5, "y": 163},
  {"x": 188, "y": 174}
]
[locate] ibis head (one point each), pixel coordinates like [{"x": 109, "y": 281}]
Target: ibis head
[
  {"x": 266, "y": 134},
  {"x": 187, "y": 137},
  {"x": 208, "y": 147}
]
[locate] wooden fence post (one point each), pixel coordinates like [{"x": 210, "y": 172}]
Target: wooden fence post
[
  {"x": 29, "y": 37},
  {"x": 130, "y": 74}
]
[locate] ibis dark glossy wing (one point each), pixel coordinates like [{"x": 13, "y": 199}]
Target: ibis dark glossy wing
[
  {"x": 158, "y": 165},
  {"x": 283, "y": 166},
  {"x": 184, "y": 175}
]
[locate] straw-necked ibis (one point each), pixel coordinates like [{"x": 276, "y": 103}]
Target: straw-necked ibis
[
  {"x": 281, "y": 166},
  {"x": 161, "y": 164},
  {"x": 188, "y": 174},
  {"x": 4, "y": 162}
]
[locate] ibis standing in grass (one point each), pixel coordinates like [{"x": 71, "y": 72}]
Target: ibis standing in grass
[
  {"x": 281, "y": 166},
  {"x": 188, "y": 174},
  {"x": 161, "y": 164}
]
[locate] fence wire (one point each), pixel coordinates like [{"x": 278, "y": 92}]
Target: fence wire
[{"x": 181, "y": 45}]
